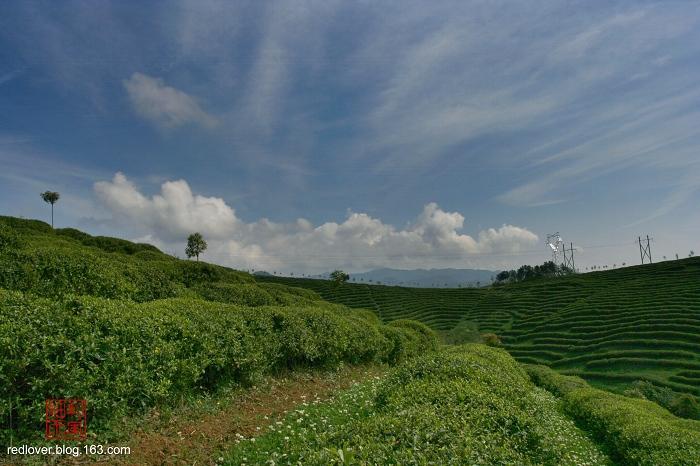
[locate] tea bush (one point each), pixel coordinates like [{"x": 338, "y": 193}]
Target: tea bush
[
  {"x": 9, "y": 239},
  {"x": 124, "y": 356},
  {"x": 253, "y": 294},
  {"x": 633, "y": 431},
  {"x": 427, "y": 335},
  {"x": 467, "y": 405},
  {"x": 61, "y": 271},
  {"x": 681, "y": 404},
  {"x": 640, "y": 322}
]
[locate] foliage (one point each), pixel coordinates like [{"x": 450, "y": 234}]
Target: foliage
[
  {"x": 124, "y": 356},
  {"x": 685, "y": 406},
  {"x": 633, "y": 431},
  {"x": 611, "y": 328},
  {"x": 464, "y": 332},
  {"x": 9, "y": 239},
  {"x": 339, "y": 277},
  {"x": 427, "y": 336},
  {"x": 254, "y": 294},
  {"x": 467, "y": 405},
  {"x": 491, "y": 339},
  {"x": 108, "y": 244},
  {"x": 527, "y": 272},
  {"x": 681, "y": 404},
  {"x": 50, "y": 197},
  {"x": 195, "y": 245},
  {"x": 27, "y": 226}
]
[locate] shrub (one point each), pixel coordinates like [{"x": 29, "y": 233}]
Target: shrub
[
  {"x": 194, "y": 273},
  {"x": 428, "y": 337},
  {"x": 106, "y": 243},
  {"x": 686, "y": 406},
  {"x": 466, "y": 405},
  {"x": 22, "y": 225},
  {"x": 9, "y": 239},
  {"x": 235, "y": 293},
  {"x": 491, "y": 339},
  {"x": 402, "y": 343},
  {"x": 124, "y": 356},
  {"x": 463, "y": 332},
  {"x": 552, "y": 381},
  {"x": 634, "y": 431},
  {"x": 58, "y": 272}
]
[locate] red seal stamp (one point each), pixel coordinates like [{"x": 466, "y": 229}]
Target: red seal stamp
[{"x": 66, "y": 419}]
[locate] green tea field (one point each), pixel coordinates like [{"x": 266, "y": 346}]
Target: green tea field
[
  {"x": 611, "y": 327},
  {"x": 185, "y": 362}
]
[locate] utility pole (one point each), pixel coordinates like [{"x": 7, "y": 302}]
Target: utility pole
[
  {"x": 569, "y": 261},
  {"x": 554, "y": 241},
  {"x": 645, "y": 250}
]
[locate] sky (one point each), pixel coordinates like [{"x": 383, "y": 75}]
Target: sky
[{"x": 304, "y": 136}]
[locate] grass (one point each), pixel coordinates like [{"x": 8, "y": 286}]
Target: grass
[{"x": 642, "y": 322}]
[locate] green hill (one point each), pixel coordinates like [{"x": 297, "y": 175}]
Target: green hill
[
  {"x": 473, "y": 404},
  {"x": 129, "y": 328},
  {"x": 611, "y": 327}
]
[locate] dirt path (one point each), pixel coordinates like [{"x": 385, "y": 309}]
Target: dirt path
[{"x": 196, "y": 438}]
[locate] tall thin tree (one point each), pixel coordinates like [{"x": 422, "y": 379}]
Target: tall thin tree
[{"x": 50, "y": 197}]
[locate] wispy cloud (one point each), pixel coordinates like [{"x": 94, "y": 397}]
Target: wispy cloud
[{"x": 164, "y": 105}]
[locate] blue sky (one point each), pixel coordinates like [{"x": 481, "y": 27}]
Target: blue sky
[{"x": 303, "y": 136}]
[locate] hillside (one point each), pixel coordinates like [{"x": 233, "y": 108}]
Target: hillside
[
  {"x": 138, "y": 333},
  {"x": 611, "y": 327},
  {"x": 475, "y": 405},
  {"x": 131, "y": 329}
]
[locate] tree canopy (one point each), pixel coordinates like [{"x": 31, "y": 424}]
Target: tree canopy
[
  {"x": 195, "y": 245},
  {"x": 528, "y": 272},
  {"x": 50, "y": 197},
  {"x": 339, "y": 277}
]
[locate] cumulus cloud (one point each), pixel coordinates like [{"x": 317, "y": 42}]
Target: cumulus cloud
[
  {"x": 169, "y": 215},
  {"x": 163, "y": 105},
  {"x": 359, "y": 242}
]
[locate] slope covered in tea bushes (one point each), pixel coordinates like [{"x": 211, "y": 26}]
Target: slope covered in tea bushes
[
  {"x": 611, "y": 327},
  {"x": 473, "y": 404},
  {"x": 466, "y": 405},
  {"x": 632, "y": 431},
  {"x": 129, "y": 328}
]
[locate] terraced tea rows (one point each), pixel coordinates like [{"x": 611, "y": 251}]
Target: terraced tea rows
[
  {"x": 440, "y": 310},
  {"x": 609, "y": 327}
]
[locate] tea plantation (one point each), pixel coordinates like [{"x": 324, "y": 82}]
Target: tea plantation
[
  {"x": 611, "y": 328},
  {"x": 475, "y": 405},
  {"x": 132, "y": 329},
  {"x": 129, "y": 328}
]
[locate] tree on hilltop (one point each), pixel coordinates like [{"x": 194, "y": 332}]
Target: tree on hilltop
[
  {"x": 339, "y": 277},
  {"x": 195, "y": 245},
  {"x": 50, "y": 197}
]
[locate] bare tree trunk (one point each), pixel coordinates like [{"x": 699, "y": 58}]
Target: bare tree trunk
[{"x": 51, "y": 215}]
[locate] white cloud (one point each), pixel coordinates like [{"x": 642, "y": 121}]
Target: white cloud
[
  {"x": 169, "y": 215},
  {"x": 359, "y": 242},
  {"x": 163, "y": 105}
]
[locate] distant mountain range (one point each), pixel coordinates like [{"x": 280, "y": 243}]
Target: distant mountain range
[{"x": 421, "y": 278}]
